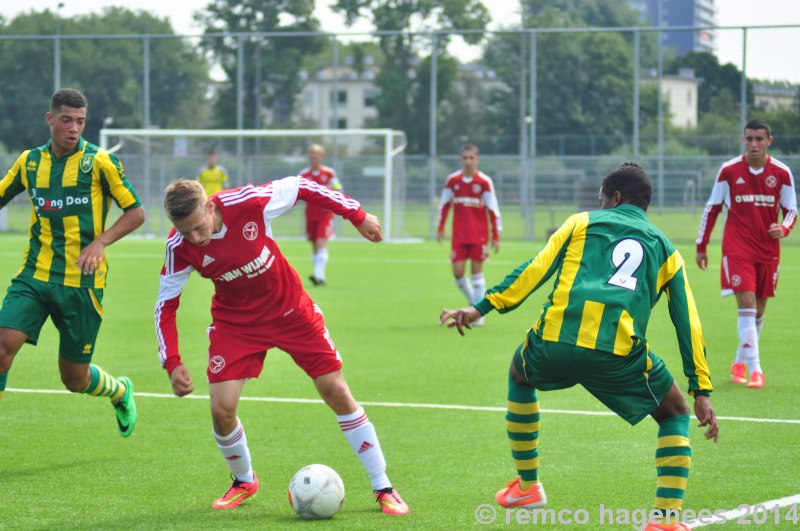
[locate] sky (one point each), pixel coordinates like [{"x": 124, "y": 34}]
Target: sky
[{"x": 772, "y": 54}]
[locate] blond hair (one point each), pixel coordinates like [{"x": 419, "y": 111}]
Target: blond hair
[
  {"x": 182, "y": 197},
  {"x": 316, "y": 148}
]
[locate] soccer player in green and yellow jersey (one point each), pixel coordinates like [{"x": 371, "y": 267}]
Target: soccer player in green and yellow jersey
[
  {"x": 611, "y": 267},
  {"x": 70, "y": 183}
]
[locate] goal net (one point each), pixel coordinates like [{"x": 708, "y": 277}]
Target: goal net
[{"x": 368, "y": 163}]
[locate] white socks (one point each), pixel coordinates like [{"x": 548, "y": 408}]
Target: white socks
[
  {"x": 464, "y": 286},
  {"x": 233, "y": 448},
  {"x": 748, "y": 340},
  {"x": 478, "y": 287},
  {"x": 320, "y": 260},
  {"x": 360, "y": 433}
]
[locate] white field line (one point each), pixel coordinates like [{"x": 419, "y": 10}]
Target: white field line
[
  {"x": 399, "y": 404},
  {"x": 748, "y": 513}
]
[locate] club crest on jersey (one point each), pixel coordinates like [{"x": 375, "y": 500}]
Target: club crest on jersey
[
  {"x": 87, "y": 161},
  {"x": 216, "y": 364},
  {"x": 476, "y": 188},
  {"x": 772, "y": 181},
  {"x": 250, "y": 231}
]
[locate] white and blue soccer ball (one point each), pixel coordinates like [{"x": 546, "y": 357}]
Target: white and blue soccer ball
[{"x": 316, "y": 491}]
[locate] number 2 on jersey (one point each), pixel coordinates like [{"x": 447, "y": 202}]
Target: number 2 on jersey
[{"x": 627, "y": 256}]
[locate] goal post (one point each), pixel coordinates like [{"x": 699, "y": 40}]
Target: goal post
[{"x": 369, "y": 163}]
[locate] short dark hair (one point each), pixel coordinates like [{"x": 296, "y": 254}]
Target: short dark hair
[
  {"x": 755, "y": 125},
  {"x": 70, "y": 97},
  {"x": 470, "y": 147},
  {"x": 632, "y": 182}
]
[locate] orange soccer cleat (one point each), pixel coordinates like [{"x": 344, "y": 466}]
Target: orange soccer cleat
[
  {"x": 391, "y": 502},
  {"x": 514, "y": 496},
  {"x": 756, "y": 380},
  {"x": 738, "y": 373},
  {"x": 653, "y": 526},
  {"x": 238, "y": 492}
]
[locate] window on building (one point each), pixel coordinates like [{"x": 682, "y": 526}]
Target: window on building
[
  {"x": 340, "y": 98},
  {"x": 370, "y": 97},
  {"x": 339, "y": 123}
]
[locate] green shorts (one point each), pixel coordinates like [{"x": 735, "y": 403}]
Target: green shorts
[
  {"x": 631, "y": 386},
  {"x": 76, "y": 312}
]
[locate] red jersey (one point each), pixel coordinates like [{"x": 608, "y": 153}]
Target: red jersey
[
  {"x": 254, "y": 284},
  {"x": 474, "y": 207},
  {"x": 326, "y": 177},
  {"x": 753, "y": 198}
]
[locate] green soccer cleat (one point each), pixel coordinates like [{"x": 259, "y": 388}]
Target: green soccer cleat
[{"x": 125, "y": 409}]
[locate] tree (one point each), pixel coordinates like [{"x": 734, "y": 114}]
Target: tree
[
  {"x": 272, "y": 64},
  {"x": 584, "y": 80},
  {"x": 403, "y": 102},
  {"x": 108, "y": 71}
]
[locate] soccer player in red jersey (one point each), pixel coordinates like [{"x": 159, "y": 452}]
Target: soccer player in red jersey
[
  {"x": 319, "y": 220},
  {"x": 258, "y": 303},
  {"x": 470, "y": 192},
  {"x": 754, "y": 187}
]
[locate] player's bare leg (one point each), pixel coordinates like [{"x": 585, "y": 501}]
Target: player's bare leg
[
  {"x": 232, "y": 443},
  {"x": 360, "y": 433},
  {"x": 10, "y": 342},
  {"x": 459, "y": 274}
]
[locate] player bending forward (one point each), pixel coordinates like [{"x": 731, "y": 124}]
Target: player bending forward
[
  {"x": 259, "y": 303},
  {"x": 611, "y": 266}
]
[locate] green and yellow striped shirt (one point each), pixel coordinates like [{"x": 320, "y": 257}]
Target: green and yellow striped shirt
[
  {"x": 611, "y": 268},
  {"x": 70, "y": 199}
]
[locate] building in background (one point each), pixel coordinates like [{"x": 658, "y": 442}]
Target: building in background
[
  {"x": 680, "y": 93},
  {"x": 682, "y": 13},
  {"x": 346, "y": 102},
  {"x": 774, "y": 96}
]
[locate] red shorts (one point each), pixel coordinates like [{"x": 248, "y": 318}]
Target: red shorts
[
  {"x": 317, "y": 229},
  {"x": 739, "y": 275},
  {"x": 238, "y": 353},
  {"x": 477, "y": 252}
]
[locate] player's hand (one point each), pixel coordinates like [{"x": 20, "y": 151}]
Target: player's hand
[
  {"x": 705, "y": 414},
  {"x": 181, "y": 381},
  {"x": 370, "y": 228},
  {"x": 91, "y": 257},
  {"x": 460, "y": 318},
  {"x": 496, "y": 246},
  {"x": 440, "y": 236},
  {"x": 702, "y": 260},
  {"x": 775, "y": 231}
]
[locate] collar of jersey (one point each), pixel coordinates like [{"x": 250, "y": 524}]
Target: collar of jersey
[{"x": 221, "y": 234}]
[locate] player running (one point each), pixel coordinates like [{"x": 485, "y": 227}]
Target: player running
[{"x": 259, "y": 303}]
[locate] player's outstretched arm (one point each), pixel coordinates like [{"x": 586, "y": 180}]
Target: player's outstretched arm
[
  {"x": 704, "y": 412},
  {"x": 370, "y": 228},
  {"x": 461, "y": 318},
  {"x": 181, "y": 381}
]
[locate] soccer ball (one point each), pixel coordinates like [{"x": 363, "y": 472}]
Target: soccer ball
[{"x": 316, "y": 491}]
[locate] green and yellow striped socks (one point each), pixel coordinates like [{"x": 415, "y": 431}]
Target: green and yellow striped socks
[
  {"x": 522, "y": 423},
  {"x": 673, "y": 459},
  {"x": 103, "y": 384}
]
